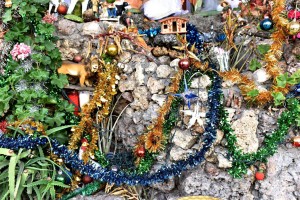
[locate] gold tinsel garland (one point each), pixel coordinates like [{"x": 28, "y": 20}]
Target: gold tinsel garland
[
  {"x": 247, "y": 85},
  {"x": 103, "y": 95},
  {"x": 153, "y": 140}
]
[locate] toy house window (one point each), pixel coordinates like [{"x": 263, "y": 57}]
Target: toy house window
[
  {"x": 183, "y": 25},
  {"x": 174, "y": 26},
  {"x": 165, "y": 26}
]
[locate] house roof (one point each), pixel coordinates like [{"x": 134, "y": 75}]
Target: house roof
[{"x": 169, "y": 18}]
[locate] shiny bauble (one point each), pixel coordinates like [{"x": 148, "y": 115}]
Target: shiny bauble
[
  {"x": 110, "y": 1},
  {"x": 77, "y": 58},
  {"x": 62, "y": 9},
  {"x": 87, "y": 179},
  {"x": 293, "y": 28},
  {"x": 266, "y": 24},
  {"x": 112, "y": 50},
  {"x": 259, "y": 176},
  {"x": 184, "y": 63},
  {"x": 296, "y": 141},
  {"x": 140, "y": 151}
]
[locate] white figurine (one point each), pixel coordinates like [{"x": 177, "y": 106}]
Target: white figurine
[
  {"x": 73, "y": 3},
  {"x": 54, "y": 3}
]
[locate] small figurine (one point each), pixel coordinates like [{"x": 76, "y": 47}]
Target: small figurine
[
  {"x": 111, "y": 10},
  {"x": 120, "y": 6},
  {"x": 74, "y": 69},
  {"x": 83, "y": 147},
  {"x": 54, "y": 3},
  {"x": 74, "y": 2}
]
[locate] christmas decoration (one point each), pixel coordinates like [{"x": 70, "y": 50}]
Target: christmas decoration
[
  {"x": 112, "y": 49},
  {"x": 184, "y": 63},
  {"x": 62, "y": 9},
  {"x": 77, "y": 58},
  {"x": 259, "y": 175},
  {"x": 87, "y": 179},
  {"x": 74, "y": 99},
  {"x": 140, "y": 151},
  {"x": 266, "y": 24},
  {"x": 296, "y": 141},
  {"x": 293, "y": 27}
]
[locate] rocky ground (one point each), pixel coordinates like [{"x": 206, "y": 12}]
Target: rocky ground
[{"x": 143, "y": 85}]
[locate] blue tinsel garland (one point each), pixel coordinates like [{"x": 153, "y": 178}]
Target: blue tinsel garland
[{"x": 120, "y": 177}]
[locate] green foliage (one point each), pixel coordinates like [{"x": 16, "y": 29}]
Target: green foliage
[
  {"x": 25, "y": 26},
  {"x": 254, "y": 64},
  {"x": 263, "y": 48},
  {"x": 278, "y": 98},
  {"x": 28, "y": 175},
  {"x": 253, "y": 94},
  {"x": 284, "y": 79}
]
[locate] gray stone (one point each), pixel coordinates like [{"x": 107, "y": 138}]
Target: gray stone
[
  {"x": 211, "y": 169},
  {"x": 167, "y": 40},
  {"x": 163, "y": 71},
  {"x": 155, "y": 85},
  {"x": 151, "y": 68},
  {"x": 201, "y": 82},
  {"x": 139, "y": 74},
  {"x": 98, "y": 197},
  {"x": 159, "y": 99},
  {"x": 178, "y": 153},
  {"x": 166, "y": 186},
  {"x": 223, "y": 162},
  {"x": 125, "y": 57},
  {"x": 140, "y": 95},
  {"x": 164, "y": 60},
  {"x": 261, "y": 75},
  {"x": 245, "y": 131},
  {"x": 183, "y": 138},
  {"x": 66, "y": 27},
  {"x": 92, "y": 29},
  {"x": 174, "y": 63},
  {"x": 127, "y": 83},
  {"x": 151, "y": 113}
]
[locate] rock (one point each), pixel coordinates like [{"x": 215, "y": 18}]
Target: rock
[
  {"x": 203, "y": 95},
  {"x": 151, "y": 113},
  {"x": 98, "y": 197},
  {"x": 128, "y": 96},
  {"x": 220, "y": 135},
  {"x": 282, "y": 176},
  {"x": 296, "y": 49},
  {"x": 163, "y": 71},
  {"x": 137, "y": 117},
  {"x": 261, "y": 75},
  {"x": 174, "y": 63},
  {"x": 245, "y": 131},
  {"x": 160, "y": 51},
  {"x": 139, "y": 74},
  {"x": 125, "y": 57},
  {"x": 92, "y": 29},
  {"x": 221, "y": 186},
  {"x": 168, "y": 40},
  {"x": 66, "y": 27},
  {"x": 155, "y": 85},
  {"x": 223, "y": 162},
  {"x": 127, "y": 83},
  {"x": 164, "y": 60},
  {"x": 211, "y": 169},
  {"x": 183, "y": 138},
  {"x": 140, "y": 95},
  {"x": 231, "y": 113},
  {"x": 166, "y": 186},
  {"x": 126, "y": 44},
  {"x": 159, "y": 99},
  {"x": 68, "y": 53},
  {"x": 178, "y": 153},
  {"x": 201, "y": 82},
  {"x": 151, "y": 68}
]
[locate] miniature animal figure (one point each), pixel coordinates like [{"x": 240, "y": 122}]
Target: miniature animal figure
[
  {"x": 81, "y": 70},
  {"x": 54, "y": 3},
  {"x": 121, "y": 7},
  {"x": 74, "y": 2}
]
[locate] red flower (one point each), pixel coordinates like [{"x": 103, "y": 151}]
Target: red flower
[
  {"x": 3, "y": 126},
  {"x": 292, "y": 14}
]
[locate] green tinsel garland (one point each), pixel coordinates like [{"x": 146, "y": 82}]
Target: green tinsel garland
[
  {"x": 242, "y": 161},
  {"x": 88, "y": 190}
]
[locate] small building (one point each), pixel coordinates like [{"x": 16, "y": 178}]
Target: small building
[{"x": 173, "y": 25}]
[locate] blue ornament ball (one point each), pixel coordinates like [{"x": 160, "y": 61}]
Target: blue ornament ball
[{"x": 266, "y": 24}]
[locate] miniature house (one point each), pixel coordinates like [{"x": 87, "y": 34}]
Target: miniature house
[{"x": 173, "y": 25}]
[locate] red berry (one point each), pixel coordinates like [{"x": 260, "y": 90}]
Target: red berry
[
  {"x": 140, "y": 151},
  {"x": 184, "y": 63},
  {"x": 62, "y": 9},
  {"x": 259, "y": 176},
  {"x": 87, "y": 179}
]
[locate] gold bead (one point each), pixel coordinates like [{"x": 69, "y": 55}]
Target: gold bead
[
  {"x": 293, "y": 28},
  {"x": 112, "y": 50}
]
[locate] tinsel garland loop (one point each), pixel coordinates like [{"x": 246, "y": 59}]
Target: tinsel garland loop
[{"x": 241, "y": 161}]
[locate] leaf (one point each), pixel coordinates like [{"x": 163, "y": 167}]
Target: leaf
[
  {"x": 57, "y": 119},
  {"x": 59, "y": 184},
  {"x": 253, "y": 93},
  {"x": 51, "y": 131},
  {"x": 4, "y": 164},
  {"x": 11, "y": 175},
  {"x": 60, "y": 81},
  {"x": 7, "y": 16},
  {"x": 254, "y": 64},
  {"x": 263, "y": 48},
  {"x": 278, "y": 98},
  {"x": 7, "y": 152},
  {"x": 39, "y": 75},
  {"x": 36, "y": 183},
  {"x": 298, "y": 121}
]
